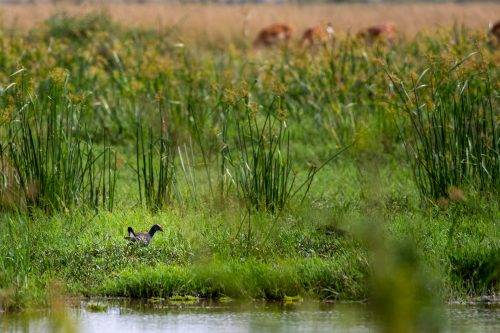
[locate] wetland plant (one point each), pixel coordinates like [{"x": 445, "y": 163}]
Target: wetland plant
[
  {"x": 454, "y": 139},
  {"x": 155, "y": 169},
  {"x": 47, "y": 159}
]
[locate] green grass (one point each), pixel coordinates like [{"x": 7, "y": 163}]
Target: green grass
[
  {"x": 455, "y": 130},
  {"x": 322, "y": 252},
  {"x": 231, "y": 151}
]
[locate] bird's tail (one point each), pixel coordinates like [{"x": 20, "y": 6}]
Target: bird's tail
[{"x": 131, "y": 232}]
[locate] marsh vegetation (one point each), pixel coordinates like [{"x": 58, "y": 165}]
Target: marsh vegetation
[{"x": 345, "y": 171}]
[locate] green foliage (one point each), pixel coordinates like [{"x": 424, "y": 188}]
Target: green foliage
[
  {"x": 48, "y": 161},
  {"x": 455, "y": 138},
  {"x": 255, "y": 158},
  {"x": 260, "y": 167},
  {"x": 155, "y": 170},
  {"x": 239, "y": 279},
  {"x": 265, "y": 126}
]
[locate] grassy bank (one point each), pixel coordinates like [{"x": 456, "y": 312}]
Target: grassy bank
[
  {"x": 323, "y": 251},
  {"x": 344, "y": 171}
]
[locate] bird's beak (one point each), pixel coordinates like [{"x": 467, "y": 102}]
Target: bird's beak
[{"x": 160, "y": 228}]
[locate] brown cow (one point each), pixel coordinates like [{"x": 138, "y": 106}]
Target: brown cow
[
  {"x": 317, "y": 35},
  {"x": 273, "y": 35},
  {"x": 385, "y": 31},
  {"x": 494, "y": 32}
]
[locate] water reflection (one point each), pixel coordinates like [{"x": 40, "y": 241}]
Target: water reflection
[
  {"x": 474, "y": 318},
  {"x": 160, "y": 316},
  {"x": 232, "y": 317}
]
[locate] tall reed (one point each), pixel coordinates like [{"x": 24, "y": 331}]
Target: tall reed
[
  {"x": 47, "y": 160},
  {"x": 455, "y": 128},
  {"x": 256, "y": 157},
  {"x": 156, "y": 177}
]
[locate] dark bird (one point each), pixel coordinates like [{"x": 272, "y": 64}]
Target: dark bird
[{"x": 144, "y": 237}]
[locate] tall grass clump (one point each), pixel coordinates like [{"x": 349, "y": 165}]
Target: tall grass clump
[
  {"x": 262, "y": 169},
  {"x": 257, "y": 160},
  {"x": 47, "y": 160},
  {"x": 453, "y": 114},
  {"x": 155, "y": 168}
]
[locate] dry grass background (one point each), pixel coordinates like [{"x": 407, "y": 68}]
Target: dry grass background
[{"x": 223, "y": 22}]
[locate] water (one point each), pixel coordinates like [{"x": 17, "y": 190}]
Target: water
[{"x": 126, "y": 316}]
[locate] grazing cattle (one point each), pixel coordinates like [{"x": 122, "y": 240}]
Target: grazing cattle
[
  {"x": 386, "y": 31},
  {"x": 317, "y": 35},
  {"x": 273, "y": 35},
  {"x": 494, "y": 32}
]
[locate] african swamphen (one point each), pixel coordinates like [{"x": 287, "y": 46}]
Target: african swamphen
[{"x": 144, "y": 237}]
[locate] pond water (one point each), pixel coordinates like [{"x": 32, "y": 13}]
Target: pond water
[{"x": 126, "y": 316}]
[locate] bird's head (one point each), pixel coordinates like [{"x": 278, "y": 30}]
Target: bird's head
[{"x": 158, "y": 227}]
